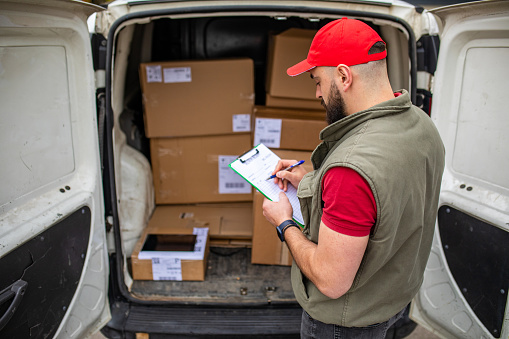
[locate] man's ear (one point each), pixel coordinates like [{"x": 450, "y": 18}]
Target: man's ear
[{"x": 344, "y": 76}]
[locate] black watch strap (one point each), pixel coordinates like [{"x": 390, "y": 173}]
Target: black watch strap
[{"x": 282, "y": 228}]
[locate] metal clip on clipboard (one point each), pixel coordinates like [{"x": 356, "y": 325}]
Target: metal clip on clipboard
[{"x": 251, "y": 154}]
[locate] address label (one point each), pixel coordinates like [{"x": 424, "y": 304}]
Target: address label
[
  {"x": 177, "y": 74},
  {"x": 268, "y": 132},
  {"x": 229, "y": 181}
]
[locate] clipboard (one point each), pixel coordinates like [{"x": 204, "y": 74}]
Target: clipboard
[{"x": 255, "y": 166}]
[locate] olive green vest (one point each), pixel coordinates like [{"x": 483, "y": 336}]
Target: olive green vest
[{"x": 397, "y": 149}]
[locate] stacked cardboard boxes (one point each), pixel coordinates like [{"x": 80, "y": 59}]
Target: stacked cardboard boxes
[
  {"x": 198, "y": 115},
  {"x": 198, "y": 118}
]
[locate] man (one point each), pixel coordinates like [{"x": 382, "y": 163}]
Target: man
[{"x": 370, "y": 204}]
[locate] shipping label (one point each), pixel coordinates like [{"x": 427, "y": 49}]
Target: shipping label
[
  {"x": 229, "y": 181},
  {"x": 166, "y": 269},
  {"x": 177, "y": 74},
  {"x": 242, "y": 122},
  {"x": 268, "y": 132}
]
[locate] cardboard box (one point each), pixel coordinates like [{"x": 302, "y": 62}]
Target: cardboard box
[
  {"x": 285, "y": 50},
  {"x": 224, "y": 221},
  {"x": 288, "y": 129},
  {"x": 199, "y": 97},
  {"x": 267, "y": 248},
  {"x": 277, "y": 102},
  {"x": 195, "y": 169},
  {"x": 161, "y": 243}
]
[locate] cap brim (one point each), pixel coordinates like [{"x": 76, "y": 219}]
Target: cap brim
[{"x": 299, "y": 68}]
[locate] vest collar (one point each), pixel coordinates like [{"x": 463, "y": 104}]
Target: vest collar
[{"x": 338, "y": 129}]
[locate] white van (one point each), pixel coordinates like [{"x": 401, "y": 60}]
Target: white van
[{"x": 76, "y": 187}]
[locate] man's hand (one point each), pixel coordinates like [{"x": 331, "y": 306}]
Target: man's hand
[
  {"x": 277, "y": 212},
  {"x": 294, "y": 176}
]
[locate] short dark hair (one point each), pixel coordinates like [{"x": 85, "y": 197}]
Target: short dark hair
[{"x": 377, "y": 47}]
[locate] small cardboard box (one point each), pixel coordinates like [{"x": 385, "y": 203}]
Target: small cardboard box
[
  {"x": 267, "y": 248},
  {"x": 165, "y": 252},
  {"x": 288, "y": 129},
  {"x": 198, "y": 97},
  {"x": 224, "y": 220},
  {"x": 195, "y": 169},
  {"x": 285, "y": 50}
]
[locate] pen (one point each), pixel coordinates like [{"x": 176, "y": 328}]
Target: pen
[{"x": 287, "y": 169}]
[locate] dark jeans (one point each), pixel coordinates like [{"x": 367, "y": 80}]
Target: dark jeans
[{"x": 314, "y": 329}]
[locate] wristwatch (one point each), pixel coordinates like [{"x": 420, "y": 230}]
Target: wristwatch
[{"x": 282, "y": 228}]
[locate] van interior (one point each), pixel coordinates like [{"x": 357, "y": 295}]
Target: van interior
[{"x": 231, "y": 278}]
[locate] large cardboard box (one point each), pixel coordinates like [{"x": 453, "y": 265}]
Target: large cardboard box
[
  {"x": 195, "y": 169},
  {"x": 224, "y": 220},
  {"x": 167, "y": 252},
  {"x": 199, "y": 97},
  {"x": 288, "y": 129},
  {"x": 267, "y": 248},
  {"x": 285, "y": 50}
]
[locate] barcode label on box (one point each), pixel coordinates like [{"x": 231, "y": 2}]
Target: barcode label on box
[
  {"x": 229, "y": 181},
  {"x": 242, "y": 123},
  {"x": 177, "y": 74},
  {"x": 167, "y": 269},
  {"x": 154, "y": 73},
  {"x": 235, "y": 185},
  {"x": 268, "y": 132}
]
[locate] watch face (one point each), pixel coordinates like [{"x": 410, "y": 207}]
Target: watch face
[
  {"x": 280, "y": 234},
  {"x": 281, "y": 227}
]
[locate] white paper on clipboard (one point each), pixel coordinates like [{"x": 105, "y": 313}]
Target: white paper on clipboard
[{"x": 256, "y": 166}]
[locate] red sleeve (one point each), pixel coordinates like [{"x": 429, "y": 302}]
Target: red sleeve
[{"x": 349, "y": 205}]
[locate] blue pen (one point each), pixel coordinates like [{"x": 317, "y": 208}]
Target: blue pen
[{"x": 287, "y": 169}]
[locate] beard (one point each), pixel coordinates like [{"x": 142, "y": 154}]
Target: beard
[{"x": 335, "y": 109}]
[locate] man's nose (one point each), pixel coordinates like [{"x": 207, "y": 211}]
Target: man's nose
[{"x": 318, "y": 93}]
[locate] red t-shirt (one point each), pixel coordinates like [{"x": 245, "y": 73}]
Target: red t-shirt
[{"x": 349, "y": 205}]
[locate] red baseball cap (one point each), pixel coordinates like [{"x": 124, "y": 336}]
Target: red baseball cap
[{"x": 343, "y": 41}]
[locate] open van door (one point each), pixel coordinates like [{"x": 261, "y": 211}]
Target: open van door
[
  {"x": 464, "y": 294},
  {"x": 53, "y": 257}
]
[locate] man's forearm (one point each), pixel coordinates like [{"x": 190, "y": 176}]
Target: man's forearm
[{"x": 302, "y": 250}]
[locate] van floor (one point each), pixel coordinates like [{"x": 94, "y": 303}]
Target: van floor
[{"x": 230, "y": 278}]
